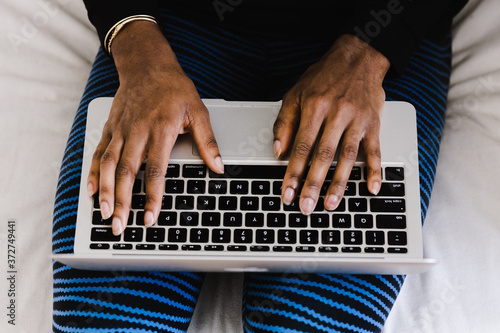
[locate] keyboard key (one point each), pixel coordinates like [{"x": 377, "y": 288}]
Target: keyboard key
[
  {"x": 221, "y": 235},
  {"x": 392, "y": 173},
  {"x": 145, "y": 247},
  {"x": 320, "y": 220},
  {"x": 341, "y": 220},
  {"x": 264, "y": 236},
  {"x": 287, "y": 236},
  {"x": 386, "y": 190},
  {"x": 353, "y": 237},
  {"x": 251, "y": 172},
  {"x": 210, "y": 219},
  {"x": 340, "y": 207},
  {"x": 358, "y": 205},
  {"x": 328, "y": 249},
  {"x": 305, "y": 249},
  {"x": 137, "y": 188},
  {"x": 99, "y": 246},
  {"x": 374, "y": 249},
  {"x": 138, "y": 201},
  {"x": 174, "y": 186},
  {"x": 155, "y": 235},
  {"x": 297, "y": 221},
  {"x": 205, "y": 203},
  {"x": 243, "y": 235},
  {"x": 168, "y": 247},
  {"x": 120, "y": 246},
  {"x": 140, "y": 218},
  {"x": 97, "y": 219},
  {"x": 277, "y": 187},
  {"x": 167, "y": 218},
  {"x": 189, "y": 218},
  {"x": 233, "y": 219},
  {"x": 166, "y": 202},
  {"x": 293, "y": 207},
  {"x": 271, "y": 203},
  {"x": 261, "y": 187},
  {"x": 133, "y": 234},
  {"x": 375, "y": 238},
  {"x": 217, "y": 187},
  {"x": 103, "y": 235},
  {"x": 397, "y": 250},
  {"x": 387, "y": 205},
  {"x": 396, "y": 238},
  {"x": 228, "y": 203},
  {"x": 355, "y": 173},
  {"x": 191, "y": 247},
  {"x": 365, "y": 173},
  {"x": 276, "y": 220},
  {"x": 249, "y": 203},
  {"x": 177, "y": 235},
  {"x": 330, "y": 237},
  {"x": 308, "y": 237},
  {"x": 183, "y": 202},
  {"x": 254, "y": 219},
  {"x": 196, "y": 186},
  {"x": 350, "y": 189},
  {"x": 198, "y": 235},
  {"x": 214, "y": 247},
  {"x": 363, "y": 221},
  {"x": 173, "y": 171},
  {"x": 278, "y": 248},
  {"x": 194, "y": 171},
  {"x": 391, "y": 222},
  {"x": 259, "y": 248},
  {"x": 351, "y": 249},
  {"x": 236, "y": 248},
  {"x": 239, "y": 187}
]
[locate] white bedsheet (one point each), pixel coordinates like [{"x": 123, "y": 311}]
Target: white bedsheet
[{"x": 47, "y": 48}]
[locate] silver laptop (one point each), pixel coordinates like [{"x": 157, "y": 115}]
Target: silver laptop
[{"x": 236, "y": 222}]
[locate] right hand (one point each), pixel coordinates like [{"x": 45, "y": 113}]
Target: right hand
[{"x": 155, "y": 103}]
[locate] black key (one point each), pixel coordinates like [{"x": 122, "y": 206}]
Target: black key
[
  {"x": 353, "y": 237},
  {"x": 196, "y": 186},
  {"x": 217, "y": 187},
  {"x": 239, "y": 187},
  {"x": 297, "y": 221},
  {"x": 138, "y": 201},
  {"x": 236, "y": 248},
  {"x": 351, "y": 249},
  {"x": 168, "y": 247},
  {"x": 363, "y": 221},
  {"x": 320, "y": 220},
  {"x": 331, "y": 171},
  {"x": 228, "y": 203},
  {"x": 99, "y": 246},
  {"x": 277, "y": 187},
  {"x": 251, "y": 172},
  {"x": 397, "y": 250},
  {"x": 350, "y": 189},
  {"x": 254, "y": 219},
  {"x": 214, "y": 247},
  {"x": 340, "y": 207},
  {"x": 308, "y": 237},
  {"x": 386, "y": 190},
  {"x": 261, "y": 187},
  {"x": 191, "y": 247},
  {"x": 391, "y": 222},
  {"x": 365, "y": 173},
  {"x": 176, "y": 235},
  {"x": 374, "y": 249},
  {"x": 122, "y": 246},
  {"x": 249, "y": 203},
  {"x": 210, "y": 219},
  {"x": 140, "y": 218},
  {"x": 167, "y": 218},
  {"x": 143, "y": 166},
  {"x": 293, "y": 207},
  {"x": 375, "y": 238},
  {"x": 355, "y": 173},
  {"x": 166, "y": 202},
  {"x": 328, "y": 249},
  {"x": 174, "y": 186},
  {"x": 133, "y": 234},
  {"x": 242, "y": 235},
  {"x": 287, "y": 236},
  {"x": 278, "y": 248},
  {"x": 184, "y": 202},
  {"x": 341, "y": 220},
  {"x": 137, "y": 188},
  {"x": 155, "y": 235},
  {"x": 394, "y": 173},
  {"x": 320, "y": 205},
  {"x": 173, "y": 171},
  {"x": 198, "y": 235},
  {"x": 305, "y": 249},
  {"x": 103, "y": 235},
  {"x": 396, "y": 238},
  {"x": 388, "y": 205},
  {"x": 271, "y": 203},
  {"x": 194, "y": 171},
  {"x": 259, "y": 248},
  {"x": 189, "y": 219},
  {"x": 330, "y": 237},
  {"x": 95, "y": 199},
  {"x": 221, "y": 235},
  {"x": 358, "y": 205},
  {"x": 145, "y": 247},
  {"x": 263, "y": 236},
  {"x": 131, "y": 218},
  {"x": 233, "y": 219},
  {"x": 205, "y": 203},
  {"x": 324, "y": 187},
  {"x": 97, "y": 219},
  {"x": 276, "y": 220}
]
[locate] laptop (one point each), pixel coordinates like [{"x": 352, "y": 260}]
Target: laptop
[{"x": 236, "y": 222}]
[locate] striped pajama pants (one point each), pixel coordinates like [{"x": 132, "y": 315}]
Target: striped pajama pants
[{"x": 223, "y": 64}]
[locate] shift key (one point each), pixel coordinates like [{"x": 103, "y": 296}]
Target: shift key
[
  {"x": 387, "y": 205},
  {"x": 103, "y": 235}
]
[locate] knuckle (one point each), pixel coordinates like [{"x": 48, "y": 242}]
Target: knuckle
[
  {"x": 125, "y": 170},
  {"x": 337, "y": 186},
  {"x": 302, "y": 150},
  {"x": 373, "y": 152},
  {"x": 108, "y": 157},
  {"x": 349, "y": 152},
  {"x": 153, "y": 171},
  {"x": 104, "y": 190},
  {"x": 211, "y": 143},
  {"x": 120, "y": 204},
  {"x": 325, "y": 154}
]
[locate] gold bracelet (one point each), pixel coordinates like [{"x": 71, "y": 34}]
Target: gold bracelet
[{"x": 113, "y": 32}]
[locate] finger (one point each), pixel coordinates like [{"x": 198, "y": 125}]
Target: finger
[
  {"x": 371, "y": 148},
  {"x": 126, "y": 172},
  {"x": 93, "y": 176},
  {"x": 347, "y": 157},
  {"x": 286, "y": 124},
  {"x": 204, "y": 138},
  {"x": 108, "y": 163}
]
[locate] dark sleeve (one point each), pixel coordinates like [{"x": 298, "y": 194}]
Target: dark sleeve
[
  {"x": 396, "y": 27},
  {"x": 103, "y": 14}
]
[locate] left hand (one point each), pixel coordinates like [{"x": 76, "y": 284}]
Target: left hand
[{"x": 336, "y": 102}]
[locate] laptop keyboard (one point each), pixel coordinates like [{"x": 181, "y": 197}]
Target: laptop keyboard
[{"x": 241, "y": 211}]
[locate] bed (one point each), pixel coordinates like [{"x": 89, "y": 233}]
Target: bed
[{"x": 47, "y": 48}]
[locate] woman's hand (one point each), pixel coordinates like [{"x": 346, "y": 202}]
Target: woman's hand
[
  {"x": 155, "y": 103},
  {"x": 335, "y": 105}
]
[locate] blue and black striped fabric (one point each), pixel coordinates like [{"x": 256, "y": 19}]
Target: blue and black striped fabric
[{"x": 225, "y": 65}]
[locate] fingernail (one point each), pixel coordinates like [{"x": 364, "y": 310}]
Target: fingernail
[
  {"x": 219, "y": 164},
  {"x": 288, "y": 197},
  {"x": 148, "y": 219},
  {"x": 332, "y": 202},
  {"x": 375, "y": 188},
  {"x": 90, "y": 189},
  {"x": 117, "y": 226},
  {"x": 307, "y": 206},
  {"x": 105, "y": 211},
  {"x": 277, "y": 148}
]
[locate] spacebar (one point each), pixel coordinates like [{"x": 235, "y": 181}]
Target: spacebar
[{"x": 251, "y": 172}]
